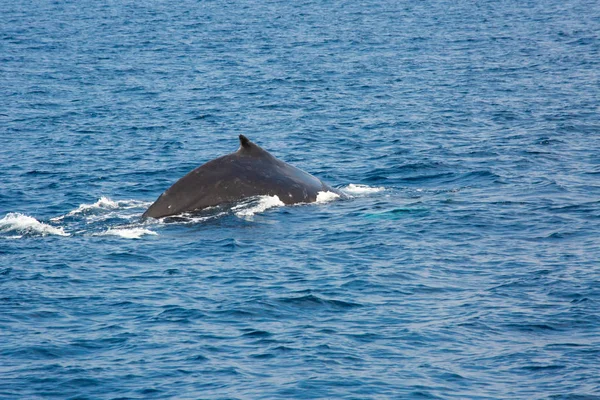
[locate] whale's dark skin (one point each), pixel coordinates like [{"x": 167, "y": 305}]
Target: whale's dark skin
[{"x": 250, "y": 171}]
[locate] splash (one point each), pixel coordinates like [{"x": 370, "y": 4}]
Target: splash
[
  {"x": 353, "y": 189},
  {"x": 104, "y": 203},
  {"x": 326, "y": 197},
  {"x": 247, "y": 209},
  {"x": 127, "y": 233},
  {"x": 190, "y": 218},
  {"x": 25, "y": 225}
]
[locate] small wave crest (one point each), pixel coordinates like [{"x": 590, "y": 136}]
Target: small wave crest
[
  {"x": 24, "y": 225},
  {"x": 104, "y": 203},
  {"x": 248, "y": 208},
  {"x": 204, "y": 215},
  {"x": 127, "y": 233},
  {"x": 326, "y": 197},
  {"x": 356, "y": 189},
  {"x": 311, "y": 300},
  {"x": 105, "y": 217}
]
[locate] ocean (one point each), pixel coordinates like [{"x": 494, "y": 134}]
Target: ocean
[{"x": 465, "y": 263}]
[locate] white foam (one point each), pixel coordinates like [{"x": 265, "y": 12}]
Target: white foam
[
  {"x": 188, "y": 218},
  {"x": 251, "y": 207},
  {"x": 127, "y": 233},
  {"x": 362, "y": 189},
  {"x": 104, "y": 203},
  {"x": 326, "y": 197},
  {"x": 21, "y": 223}
]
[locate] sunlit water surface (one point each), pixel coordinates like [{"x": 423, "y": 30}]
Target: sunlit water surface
[{"x": 465, "y": 264}]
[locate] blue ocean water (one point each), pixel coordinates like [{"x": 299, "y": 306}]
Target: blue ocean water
[{"x": 466, "y": 265}]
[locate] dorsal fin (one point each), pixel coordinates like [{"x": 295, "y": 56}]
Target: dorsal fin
[
  {"x": 248, "y": 148},
  {"x": 245, "y": 142}
]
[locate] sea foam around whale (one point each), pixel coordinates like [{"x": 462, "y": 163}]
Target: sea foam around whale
[
  {"x": 121, "y": 218},
  {"x": 17, "y": 225}
]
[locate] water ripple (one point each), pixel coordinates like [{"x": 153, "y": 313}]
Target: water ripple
[{"x": 464, "y": 263}]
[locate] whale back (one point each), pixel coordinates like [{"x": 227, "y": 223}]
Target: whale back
[{"x": 250, "y": 171}]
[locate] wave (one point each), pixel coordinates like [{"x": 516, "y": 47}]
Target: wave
[
  {"x": 127, "y": 233},
  {"x": 107, "y": 217},
  {"x": 104, "y": 203},
  {"x": 103, "y": 217},
  {"x": 326, "y": 197},
  {"x": 311, "y": 300},
  {"x": 254, "y": 205},
  {"x": 357, "y": 189},
  {"x": 24, "y": 225}
]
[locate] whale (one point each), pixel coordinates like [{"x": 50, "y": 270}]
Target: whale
[{"x": 248, "y": 172}]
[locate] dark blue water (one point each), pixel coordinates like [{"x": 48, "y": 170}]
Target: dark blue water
[{"x": 466, "y": 265}]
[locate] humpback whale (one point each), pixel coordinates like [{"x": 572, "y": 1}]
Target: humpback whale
[{"x": 250, "y": 171}]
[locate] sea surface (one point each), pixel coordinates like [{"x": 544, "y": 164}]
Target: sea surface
[{"x": 465, "y": 263}]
